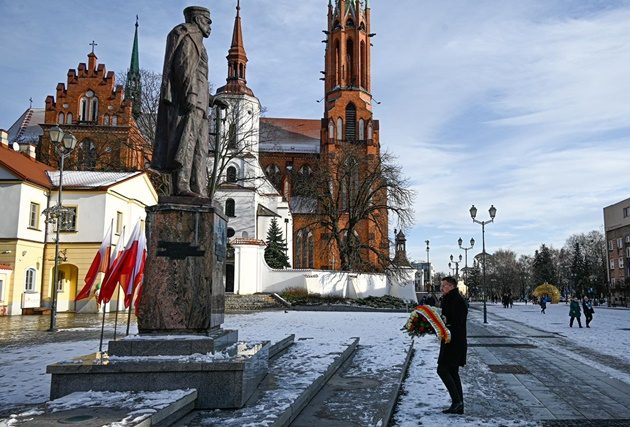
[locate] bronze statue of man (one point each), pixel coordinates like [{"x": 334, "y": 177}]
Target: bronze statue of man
[{"x": 181, "y": 138}]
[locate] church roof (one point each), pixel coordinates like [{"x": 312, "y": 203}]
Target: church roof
[
  {"x": 26, "y": 129},
  {"x": 289, "y": 135},
  {"x": 90, "y": 179},
  {"x": 24, "y": 166},
  {"x": 264, "y": 211}
]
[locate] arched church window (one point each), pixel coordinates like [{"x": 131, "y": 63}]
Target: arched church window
[
  {"x": 231, "y": 174},
  {"x": 94, "y": 109},
  {"x": 106, "y": 120},
  {"x": 87, "y": 155},
  {"x": 351, "y": 78},
  {"x": 364, "y": 67},
  {"x": 370, "y": 132},
  {"x": 331, "y": 130},
  {"x": 83, "y": 109},
  {"x": 351, "y": 122},
  {"x": 60, "y": 118},
  {"x": 302, "y": 184},
  {"x": 69, "y": 118},
  {"x": 349, "y": 184},
  {"x": 310, "y": 247},
  {"x": 337, "y": 63},
  {"x": 361, "y": 130},
  {"x": 232, "y": 136},
  {"x": 272, "y": 172},
  {"x": 230, "y": 208},
  {"x": 298, "y": 250},
  {"x": 339, "y": 129},
  {"x": 349, "y": 23}
]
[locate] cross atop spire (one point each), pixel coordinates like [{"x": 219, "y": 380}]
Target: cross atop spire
[{"x": 93, "y": 44}]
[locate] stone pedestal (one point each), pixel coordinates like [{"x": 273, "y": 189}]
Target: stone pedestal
[{"x": 183, "y": 280}]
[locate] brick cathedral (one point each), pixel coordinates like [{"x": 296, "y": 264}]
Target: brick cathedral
[{"x": 291, "y": 148}]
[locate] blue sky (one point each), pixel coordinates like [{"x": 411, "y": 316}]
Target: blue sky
[{"x": 520, "y": 104}]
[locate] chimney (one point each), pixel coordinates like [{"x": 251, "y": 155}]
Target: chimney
[
  {"x": 4, "y": 137},
  {"x": 30, "y": 151}
]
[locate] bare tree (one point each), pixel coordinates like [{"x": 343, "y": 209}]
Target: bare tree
[
  {"x": 237, "y": 130},
  {"x": 355, "y": 192}
]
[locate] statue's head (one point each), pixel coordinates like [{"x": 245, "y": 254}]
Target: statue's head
[{"x": 200, "y": 16}]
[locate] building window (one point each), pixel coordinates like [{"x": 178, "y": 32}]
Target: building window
[
  {"x": 83, "y": 112},
  {"x": 610, "y": 245},
  {"x": 370, "y": 132},
  {"x": 626, "y": 212},
  {"x": 331, "y": 130},
  {"x": 311, "y": 250},
  {"x": 361, "y": 130},
  {"x": 298, "y": 250},
  {"x": 2, "y": 288},
  {"x": 232, "y": 136},
  {"x": 339, "y": 129},
  {"x": 619, "y": 243},
  {"x": 627, "y": 252},
  {"x": 94, "y": 109},
  {"x": 106, "y": 120},
  {"x": 231, "y": 174},
  {"x": 69, "y": 118},
  {"x": 273, "y": 175},
  {"x": 33, "y": 216},
  {"x": 69, "y": 219},
  {"x": 612, "y": 264},
  {"x": 230, "y": 208},
  {"x": 87, "y": 155},
  {"x": 621, "y": 263},
  {"x": 114, "y": 120},
  {"x": 119, "y": 222},
  {"x": 60, "y": 118},
  {"x": 29, "y": 281}
]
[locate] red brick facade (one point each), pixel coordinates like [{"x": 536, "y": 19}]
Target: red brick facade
[
  {"x": 347, "y": 120},
  {"x": 94, "y": 109}
]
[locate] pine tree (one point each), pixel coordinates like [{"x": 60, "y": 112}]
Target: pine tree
[{"x": 276, "y": 250}]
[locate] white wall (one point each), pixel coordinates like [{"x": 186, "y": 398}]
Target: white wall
[{"x": 16, "y": 203}]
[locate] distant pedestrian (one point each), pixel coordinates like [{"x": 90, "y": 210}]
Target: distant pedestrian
[
  {"x": 575, "y": 312},
  {"x": 453, "y": 354},
  {"x": 543, "y": 305},
  {"x": 587, "y": 307}
]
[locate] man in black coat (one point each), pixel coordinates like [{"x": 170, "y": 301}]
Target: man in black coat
[{"x": 453, "y": 354}]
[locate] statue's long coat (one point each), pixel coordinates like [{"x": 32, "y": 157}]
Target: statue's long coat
[{"x": 180, "y": 77}]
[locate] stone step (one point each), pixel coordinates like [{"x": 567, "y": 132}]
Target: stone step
[
  {"x": 99, "y": 408},
  {"x": 294, "y": 378},
  {"x": 251, "y": 302}
]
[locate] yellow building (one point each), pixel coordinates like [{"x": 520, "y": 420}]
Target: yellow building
[{"x": 27, "y": 241}]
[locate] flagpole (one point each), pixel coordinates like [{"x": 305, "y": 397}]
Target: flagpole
[
  {"x": 129, "y": 317},
  {"x": 116, "y": 314},
  {"x": 100, "y": 345}
]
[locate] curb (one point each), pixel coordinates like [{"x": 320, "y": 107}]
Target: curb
[
  {"x": 393, "y": 400},
  {"x": 311, "y": 391}
]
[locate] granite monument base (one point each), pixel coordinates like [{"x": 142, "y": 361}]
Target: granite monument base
[
  {"x": 173, "y": 345},
  {"x": 183, "y": 291},
  {"x": 223, "y": 380}
]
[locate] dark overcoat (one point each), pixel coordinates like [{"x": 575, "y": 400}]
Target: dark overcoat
[
  {"x": 179, "y": 80},
  {"x": 455, "y": 310}
]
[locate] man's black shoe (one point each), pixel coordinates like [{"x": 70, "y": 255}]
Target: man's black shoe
[{"x": 457, "y": 408}]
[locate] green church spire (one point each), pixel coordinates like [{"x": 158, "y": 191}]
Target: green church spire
[{"x": 133, "y": 87}]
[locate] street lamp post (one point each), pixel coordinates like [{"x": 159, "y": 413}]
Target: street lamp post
[
  {"x": 64, "y": 143},
  {"x": 473, "y": 214},
  {"x": 472, "y": 243},
  {"x": 286, "y": 236},
  {"x": 456, "y": 263}
]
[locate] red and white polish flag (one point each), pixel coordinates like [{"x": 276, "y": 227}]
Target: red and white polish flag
[{"x": 100, "y": 264}]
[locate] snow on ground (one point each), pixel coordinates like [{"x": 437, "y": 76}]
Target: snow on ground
[
  {"x": 23, "y": 379},
  {"x": 605, "y": 334}
]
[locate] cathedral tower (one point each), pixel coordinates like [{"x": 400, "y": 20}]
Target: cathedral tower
[{"x": 348, "y": 124}]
